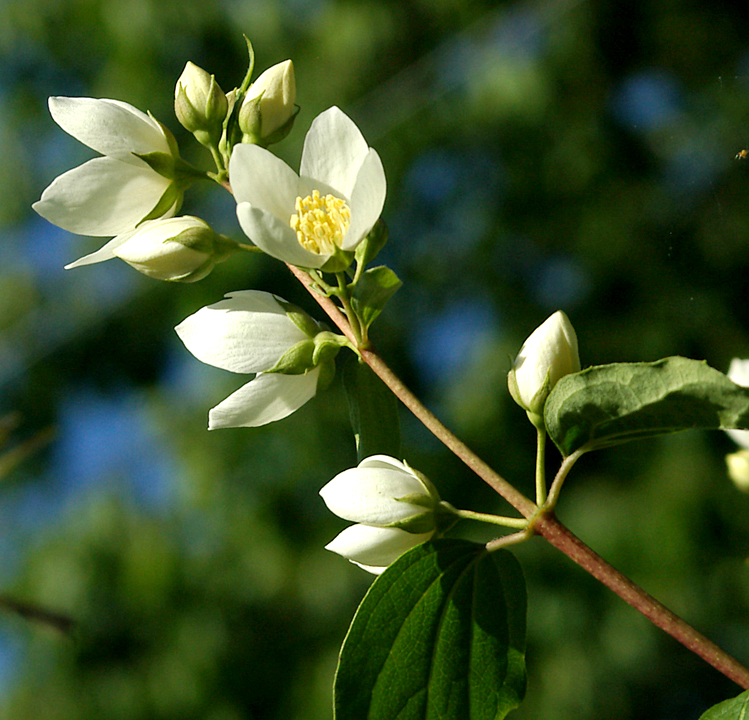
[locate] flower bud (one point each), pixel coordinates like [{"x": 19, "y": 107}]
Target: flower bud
[
  {"x": 395, "y": 508},
  {"x": 547, "y": 355},
  {"x": 183, "y": 249},
  {"x": 199, "y": 104},
  {"x": 268, "y": 109},
  {"x": 738, "y": 469}
]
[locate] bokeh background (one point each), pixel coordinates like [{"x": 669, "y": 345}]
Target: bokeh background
[{"x": 574, "y": 154}]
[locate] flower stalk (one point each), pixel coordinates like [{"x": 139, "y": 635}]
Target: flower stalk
[{"x": 540, "y": 466}]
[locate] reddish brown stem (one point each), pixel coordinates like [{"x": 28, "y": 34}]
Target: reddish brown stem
[
  {"x": 561, "y": 538},
  {"x": 543, "y": 523}
]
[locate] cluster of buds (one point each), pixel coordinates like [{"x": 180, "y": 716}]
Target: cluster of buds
[{"x": 265, "y": 112}]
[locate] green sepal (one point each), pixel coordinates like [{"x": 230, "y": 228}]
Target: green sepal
[
  {"x": 420, "y": 500},
  {"x": 416, "y": 524},
  {"x": 611, "y": 404},
  {"x": 297, "y": 360},
  {"x": 373, "y": 410},
  {"x": 440, "y": 634},
  {"x": 281, "y": 132},
  {"x": 250, "y": 121},
  {"x": 368, "y": 249},
  {"x": 445, "y": 517},
  {"x": 372, "y": 291},
  {"x": 160, "y": 162},
  {"x": 327, "y": 374},
  {"x": 205, "y": 240},
  {"x": 251, "y": 124},
  {"x": 301, "y": 319},
  {"x": 328, "y": 345},
  {"x": 735, "y": 709},
  {"x": 339, "y": 261}
]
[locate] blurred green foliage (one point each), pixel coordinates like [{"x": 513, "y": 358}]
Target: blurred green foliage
[{"x": 559, "y": 154}]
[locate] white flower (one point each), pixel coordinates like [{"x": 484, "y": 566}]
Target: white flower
[
  {"x": 738, "y": 371},
  {"x": 393, "y": 505},
  {"x": 109, "y": 195},
  {"x": 331, "y": 206},
  {"x": 249, "y": 332},
  {"x": 549, "y": 353},
  {"x": 269, "y": 102}
]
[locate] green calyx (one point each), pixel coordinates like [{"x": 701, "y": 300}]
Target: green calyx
[
  {"x": 297, "y": 360},
  {"x": 338, "y": 262},
  {"x": 301, "y": 319},
  {"x": 206, "y": 240}
]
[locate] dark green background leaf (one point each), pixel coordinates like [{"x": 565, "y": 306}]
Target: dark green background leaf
[
  {"x": 441, "y": 634},
  {"x": 735, "y": 709},
  {"x": 374, "y": 288},
  {"x": 610, "y": 404},
  {"x": 373, "y": 410}
]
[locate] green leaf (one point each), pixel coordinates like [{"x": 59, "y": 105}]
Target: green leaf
[
  {"x": 367, "y": 249},
  {"x": 439, "y": 635},
  {"x": 372, "y": 291},
  {"x": 735, "y": 709},
  {"x": 610, "y": 404},
  {"x": 373, "y": 410}
]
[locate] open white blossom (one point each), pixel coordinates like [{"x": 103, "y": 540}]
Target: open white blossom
[
  {"x": 330, "y": 206},
  {"x": 248, "y": 332},
  {"x": 738, "y": 371},
  {"x": 393, "y": 505},
  {"x": 109, "y": 195}
]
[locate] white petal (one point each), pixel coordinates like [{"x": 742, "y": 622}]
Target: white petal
[
  {"x": 367, "y": 200},
  {"x": 334, "y": 150},
  {"x": 101, "y": 197},
  {"x": 369, "y": 495},
  {"x": 383, "y": 461},
  {"x": 374, "y": 546},
  {"x": 275, "y": 237},
  {"x": 105, "y": 252},
  {"x": 248, "y": 332},
  {"x": 740, "y": 437},
  {"x": 738, "y": 371},
  {"x": 110, "y": 127},
  {"x": 261, "y": 179},
  {"x": 267, "y": 398}
]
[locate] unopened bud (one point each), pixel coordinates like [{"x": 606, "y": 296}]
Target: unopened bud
[
  {"x": 268, "y": 109},
  {"x": 549, "y": 353},
  {"x": 182, "y": 249},
  {"x": 199, "y": 104}
]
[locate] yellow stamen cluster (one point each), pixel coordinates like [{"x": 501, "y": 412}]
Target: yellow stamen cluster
[{"x": 320, "y": 222}]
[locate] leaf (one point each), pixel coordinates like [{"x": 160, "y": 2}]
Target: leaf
[
  {"x": 610, "y": 404},
  {"x": 440, "y": 634},
  {"x": 735, "y": 709},
  {"x": 373, "y": 410},
  {"x": 368, "y": 249},
  {"x": 372, "y": 291}
]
